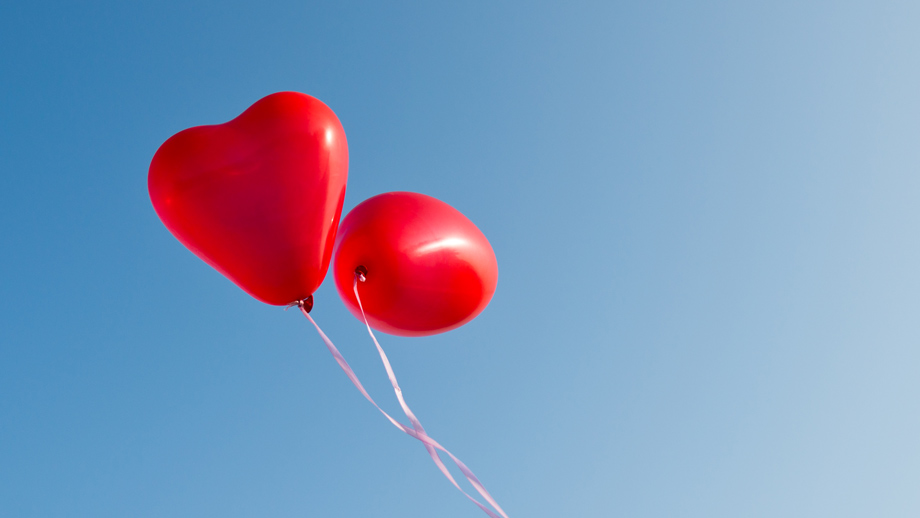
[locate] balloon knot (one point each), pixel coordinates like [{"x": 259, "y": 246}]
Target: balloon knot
[
  {"x": 305, "y": 304},
  {"x": 361, "y": 273}
]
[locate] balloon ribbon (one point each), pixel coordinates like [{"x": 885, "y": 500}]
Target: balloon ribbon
[{"x": 417, "y": 431}]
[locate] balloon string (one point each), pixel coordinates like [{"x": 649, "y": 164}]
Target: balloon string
[
  {"x": 416, "y": 432},
  {"x": 418, "y": 426}
]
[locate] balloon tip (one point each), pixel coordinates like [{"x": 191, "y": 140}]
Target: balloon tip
[
  {"x": 361, "y": 273},
  {"x": 305, "y": 304}
]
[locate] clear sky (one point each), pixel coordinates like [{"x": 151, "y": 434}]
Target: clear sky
[{"x": 705, "y": 216}]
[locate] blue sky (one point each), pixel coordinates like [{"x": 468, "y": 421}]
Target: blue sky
[{"x": 705, "y": 215}]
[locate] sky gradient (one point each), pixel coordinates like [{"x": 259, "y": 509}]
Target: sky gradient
[{"x": 706, "y": 222}]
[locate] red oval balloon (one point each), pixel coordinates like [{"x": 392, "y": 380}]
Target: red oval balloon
[
  {"x": 429, "y": 268},
  {"x": 259, "y": 197}
]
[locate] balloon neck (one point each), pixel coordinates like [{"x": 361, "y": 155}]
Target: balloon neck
[
  {"x": 361, "y": 273},
  {"x": 304, "y": 304}
]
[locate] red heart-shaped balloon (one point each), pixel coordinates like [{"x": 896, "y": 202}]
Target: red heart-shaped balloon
[
  {"x": 427, "y": 268},
  {"x": 259, "y": 197}
]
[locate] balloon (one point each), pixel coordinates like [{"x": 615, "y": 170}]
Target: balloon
[
  {"x": 259, "y": 197},
  {"x": 428, "y": 268}
]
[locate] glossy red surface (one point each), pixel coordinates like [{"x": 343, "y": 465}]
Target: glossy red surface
[
  {"x": 259, "y": 197},
  {"x": 429, "y": 268}
]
